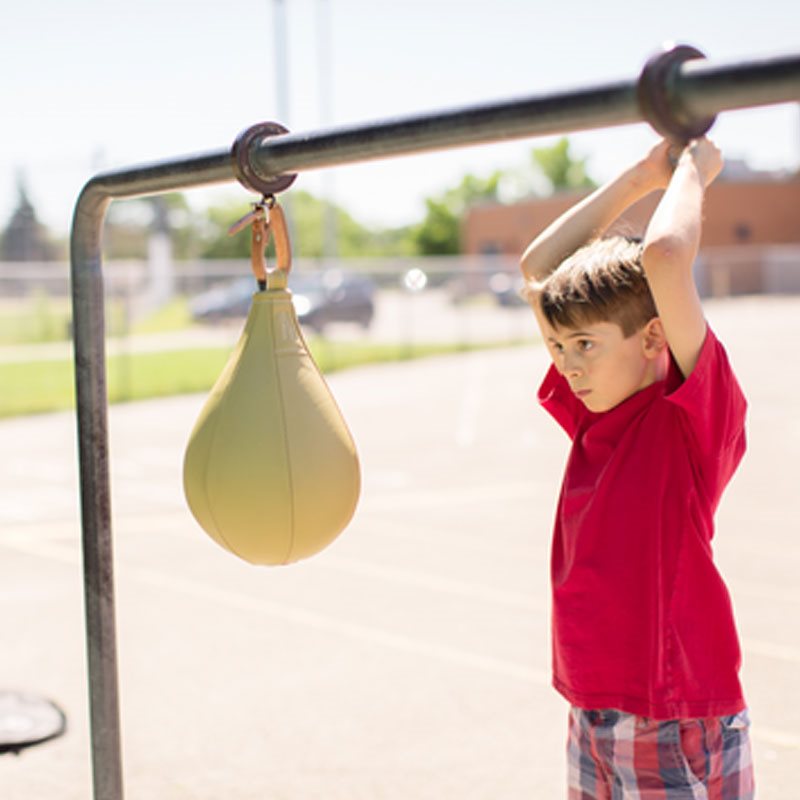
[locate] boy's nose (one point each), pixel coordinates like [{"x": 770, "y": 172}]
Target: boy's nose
[{"x": 571, "y": 367}]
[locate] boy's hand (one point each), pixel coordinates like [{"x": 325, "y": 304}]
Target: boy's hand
[
  {"x": 706, "y": 158},
  {"x": 656, "y": 167}
]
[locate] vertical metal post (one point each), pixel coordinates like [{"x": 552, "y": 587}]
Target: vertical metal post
[
  {"x": 330, "y": 248},
  {"x": 91, "y": 396},
  {"x": 281, "y": 60},
  {"x": 88, "y": 323}
]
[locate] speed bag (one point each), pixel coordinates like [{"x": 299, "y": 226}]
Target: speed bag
[{"x": 271, "y": 471}]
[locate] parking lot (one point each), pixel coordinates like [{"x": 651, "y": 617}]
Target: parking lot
[{"x": 408, "y": 661}]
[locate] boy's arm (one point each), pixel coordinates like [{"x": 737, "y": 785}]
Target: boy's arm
[
  {"x": 670, "y": 248},
  {"x": 590, "y": 217}
]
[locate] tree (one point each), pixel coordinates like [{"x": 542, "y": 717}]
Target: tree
[
  {"x": 25, "y": 238},
  {"x": 560, "y": 169},
  {"x": 440, "y": 231},
  {"x": 306, "y": 217},
  {"x": 130, "y": 225}
]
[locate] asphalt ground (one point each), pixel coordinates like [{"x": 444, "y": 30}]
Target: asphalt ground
[{"x": 410, "y": 660}]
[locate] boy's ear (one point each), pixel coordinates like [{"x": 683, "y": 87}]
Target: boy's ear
[{"x": 654, "y": 340}]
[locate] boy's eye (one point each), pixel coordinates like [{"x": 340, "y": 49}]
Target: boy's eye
[{"x": 585, "y": 344}]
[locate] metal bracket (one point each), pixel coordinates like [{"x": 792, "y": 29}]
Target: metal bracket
[
  {"x": 660, "y": 104},
  {"x": 242, "y": 164}
]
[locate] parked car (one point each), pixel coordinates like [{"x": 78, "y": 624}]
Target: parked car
[
  {"x": 506, "y": 289},
  {"x": 319, "y": 298}
]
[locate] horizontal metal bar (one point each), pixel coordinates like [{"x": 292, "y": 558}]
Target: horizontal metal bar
[
  {"x": 185, "y": 172},
  {"x": 516, "y": 118},
  {"x": 700, "y": 89},
  {"x": 704, "y": 88}
]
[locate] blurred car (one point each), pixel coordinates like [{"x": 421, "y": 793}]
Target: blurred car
[
  {"x": 320, "y": 298},
  {"x": 506, "y": 289}
]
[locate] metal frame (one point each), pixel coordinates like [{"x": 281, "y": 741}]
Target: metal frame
[{"x": 677, "y": 92}]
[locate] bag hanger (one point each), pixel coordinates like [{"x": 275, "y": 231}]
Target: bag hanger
[
  {"x": 271, "y": 471},
  {"x": 267, "y": 220}
]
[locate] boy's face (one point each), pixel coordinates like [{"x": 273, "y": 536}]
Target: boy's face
[{"x": 602, "y": 367}]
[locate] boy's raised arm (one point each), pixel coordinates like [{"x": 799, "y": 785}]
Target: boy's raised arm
[
  {"x": 589, "y": 218},
  {"x": 670, "y": 248}
]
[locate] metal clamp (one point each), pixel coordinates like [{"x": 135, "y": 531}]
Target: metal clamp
[
  {"x": 658, "y": 102},
  {"x": 242, "y": 165}
]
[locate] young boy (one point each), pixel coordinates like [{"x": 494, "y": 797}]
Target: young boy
[{"x": 644, "y": 643}]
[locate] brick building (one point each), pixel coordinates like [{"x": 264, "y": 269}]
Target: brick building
[{"x": 751, "y": 232}]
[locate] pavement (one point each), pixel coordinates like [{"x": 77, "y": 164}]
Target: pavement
[{"x": 409, "y": 660}]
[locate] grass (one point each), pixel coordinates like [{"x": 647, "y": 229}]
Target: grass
[
  {"x": 36, "y": 319},
  {"x": 174, "y": 316},
  {"x": 41, "y": 318},
  {"x": 39, "y": 386}
]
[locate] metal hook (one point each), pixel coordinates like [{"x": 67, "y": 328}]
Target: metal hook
[
  {"x": 266, "y": 219},
  {"x": 243, "y": 168},
  {"x": 658, "y": 102}
]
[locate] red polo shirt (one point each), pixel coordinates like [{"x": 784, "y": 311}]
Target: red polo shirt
[{"x": 642, "y": 621}]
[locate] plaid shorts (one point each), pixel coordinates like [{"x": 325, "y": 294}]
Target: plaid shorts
[{"x": 612, "y": 755}]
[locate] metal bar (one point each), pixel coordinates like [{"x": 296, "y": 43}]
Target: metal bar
[
  {"x": 185, "y": 172},
  {"x": 90, "y": 385},
  {"x": 92, "y": 404},
  {"x": 692, "y": 90},
  {"x": 597, "y": 107},
  {"x": 700, "y": 89},
  {"x": 705, "y": 88}
]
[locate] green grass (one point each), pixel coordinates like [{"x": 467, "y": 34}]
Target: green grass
[
  {"x": 41, "y": 318},
  {"x": 39, "y": 386},
  {"x": 35, "y": 319},
  {"x": 174, "y": 316}
]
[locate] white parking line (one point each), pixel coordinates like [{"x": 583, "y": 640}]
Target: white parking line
[
  {"x": 436, "y": 583},
  {"x": 292, "y": 614},
  {"x": 460, "y": 495},
  {"x": 488, "y": 545},
  {"x": 363, "y": 633}
]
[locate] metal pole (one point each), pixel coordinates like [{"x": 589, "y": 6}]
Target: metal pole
[
  {"x": 707, "y": 88},
  {"x": 696, "y": 90},
  {"x": 92, "y": 404},
  {"x": 281, "y": 61},
  {"x": 330, "y": 249},
  {"x": 674, "y": 94}
]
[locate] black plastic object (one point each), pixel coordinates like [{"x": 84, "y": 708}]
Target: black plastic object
[{"x": 27, "y": 720}]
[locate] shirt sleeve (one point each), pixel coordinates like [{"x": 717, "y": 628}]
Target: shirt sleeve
[
  {"x": 714, "y": 409},
  {"x": 557, "y": 399}
]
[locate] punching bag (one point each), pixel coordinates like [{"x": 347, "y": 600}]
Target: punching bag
[{"x": 271, "y": 471}]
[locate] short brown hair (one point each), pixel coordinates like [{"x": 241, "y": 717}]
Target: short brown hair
[{"x": 601, "y": 282}]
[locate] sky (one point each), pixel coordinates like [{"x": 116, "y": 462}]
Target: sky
[{"x": 90, "y": 85}]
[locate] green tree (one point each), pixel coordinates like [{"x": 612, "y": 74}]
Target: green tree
[
  {"x": 560, "y": 168},
  {"x": 440, "y": 231},
  {"x": 24, "y": 238},
  {"x": 306, "y": 217},
  {"x": 131, "y": 223}
]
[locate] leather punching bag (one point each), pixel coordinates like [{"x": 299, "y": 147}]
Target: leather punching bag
[{"x": 271, "y": 471}]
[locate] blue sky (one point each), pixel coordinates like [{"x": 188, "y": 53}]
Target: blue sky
[{"x": 91, "y": 84}]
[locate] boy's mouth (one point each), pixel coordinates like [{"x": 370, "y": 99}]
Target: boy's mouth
[{"x": 581, "y": 392}]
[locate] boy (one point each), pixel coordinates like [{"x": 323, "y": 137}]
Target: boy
[{"x": 644, "y": 643}]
